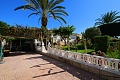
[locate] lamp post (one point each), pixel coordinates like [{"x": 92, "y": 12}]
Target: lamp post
[{"x": 52, "y": 40}]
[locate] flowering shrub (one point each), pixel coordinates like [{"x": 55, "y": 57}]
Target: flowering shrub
[{"x": 23, "y": 32}]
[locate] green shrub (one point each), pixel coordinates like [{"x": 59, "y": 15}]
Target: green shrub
[
  {"x": 64, "y": 47},
  {"x": 116, "y": 55},
  {"x": 90, "y": 46},
  {"x": 101, "y": 43},
  {"x": 80, "y": 46},
  {"x": 72, "y": 48}
]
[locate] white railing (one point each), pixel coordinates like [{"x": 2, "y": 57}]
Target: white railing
[{"x": 108, "y": 63}]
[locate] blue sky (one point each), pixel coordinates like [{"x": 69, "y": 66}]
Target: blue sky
[{"x": 82, "y": 13}]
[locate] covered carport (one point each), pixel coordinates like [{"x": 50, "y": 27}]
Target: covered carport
[{"x": 16, "y": 44}]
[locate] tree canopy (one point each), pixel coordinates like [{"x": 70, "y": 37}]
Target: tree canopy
[
  {"x": 90, "y": 33},
  {"x": 107, "y": 18},
  {"x": 112, "y": 29},
  {"x": 45, "y": 9},
  {"x": 3, "y": 27},
  {"x": 19, "y": 31},
  {"x": 64, "y": 31}
]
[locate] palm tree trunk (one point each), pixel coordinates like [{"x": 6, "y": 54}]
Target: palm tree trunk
[
  {"x": 68, "y": 44},
  {"x": 44, "y": 21}
]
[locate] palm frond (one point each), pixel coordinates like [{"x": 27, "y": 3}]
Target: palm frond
[
  {"x": 20, "y": 7},
  {"x": 109, "y": 17},
  {"x": 53, "y": 15},
  {"x": 36, "y": 13},
  {"x": 39, "y": 20},
  {"x": 98, "y": 23},
  {"x": 55, "y": 3},
  {"x": 58, "y": 7},
  {"x": 33, "y": 9},
  {"x": 45, "y": 8},
  {"x": 59, "y": 21},
  {"x": 40, "y": 2},
  {"x": 61, "y": 11},
  {"x": 50, "y": 3},
  {"x": 34, "y": 3},
  {"x": 26, "y": 7},
  {"x": 58, "y": 17},
  {"x": 60, "y": 14}
]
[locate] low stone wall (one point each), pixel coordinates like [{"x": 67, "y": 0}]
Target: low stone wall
[
  {"x": 88, "y": 67},
  {"x": 107, "y": 68}
]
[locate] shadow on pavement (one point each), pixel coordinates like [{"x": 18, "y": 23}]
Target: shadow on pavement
[
  {"x": 39, "y": 65},
  {"x": 49, "y": 74},
  {"x": 18, "y": 53},
  {"x": 76, "y": 72}
]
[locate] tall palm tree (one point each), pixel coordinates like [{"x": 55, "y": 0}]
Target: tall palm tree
[
  {"x": 45, "y": 9},
  {"x": 107, "y": 18}
]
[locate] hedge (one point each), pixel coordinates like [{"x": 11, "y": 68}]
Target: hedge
[{"x": 101, "y": 43}]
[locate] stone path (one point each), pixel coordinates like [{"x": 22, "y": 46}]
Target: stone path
[{"x": 31, "y": 66}]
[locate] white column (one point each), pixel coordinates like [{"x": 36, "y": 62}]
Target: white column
[
  {"x": 43, "y": 48},
  {"x": 92, "y": 59},
  {"x": 79, "y": 57},
  {"x": 82, "y": 57},
  {"x": 109, "y": 60},
  {"x": 87, "y": 58},
  {"x": 117, "y": 64},
  {"x": 105, "y": 62},
  {"x": 103, "y": 65},
  {"x": 97, "y": 59}
]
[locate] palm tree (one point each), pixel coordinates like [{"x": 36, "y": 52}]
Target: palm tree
[
  {"x": 107, "y": 18},
  {"x": 45, "y": 9}
]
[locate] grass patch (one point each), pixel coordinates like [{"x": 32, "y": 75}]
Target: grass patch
[
  {"x": 115, "y": 55},
  {"x": 79, "y": 47},
  {"x": 82, "y": 51}
]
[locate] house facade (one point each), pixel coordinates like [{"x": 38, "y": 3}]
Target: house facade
[{"x": 72, "y": 38}]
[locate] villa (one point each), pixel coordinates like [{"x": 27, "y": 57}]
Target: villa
[{"x": 72, "y": 38}]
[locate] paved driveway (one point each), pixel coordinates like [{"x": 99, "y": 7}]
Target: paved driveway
[{"x": 31, "y": 66}]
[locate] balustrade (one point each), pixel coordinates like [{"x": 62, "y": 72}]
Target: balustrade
[{"x": 108, "y": 63}]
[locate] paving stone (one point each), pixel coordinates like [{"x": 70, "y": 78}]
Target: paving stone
[{"x": 31, "y": 66}]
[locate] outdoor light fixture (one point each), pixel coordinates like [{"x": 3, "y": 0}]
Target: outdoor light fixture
[{"x": 52, "y": 40}]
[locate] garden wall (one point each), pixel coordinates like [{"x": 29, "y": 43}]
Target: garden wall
[{"x": 108, "y": 68}]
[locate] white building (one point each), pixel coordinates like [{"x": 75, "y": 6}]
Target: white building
[{"x": 72, "y": 38}]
